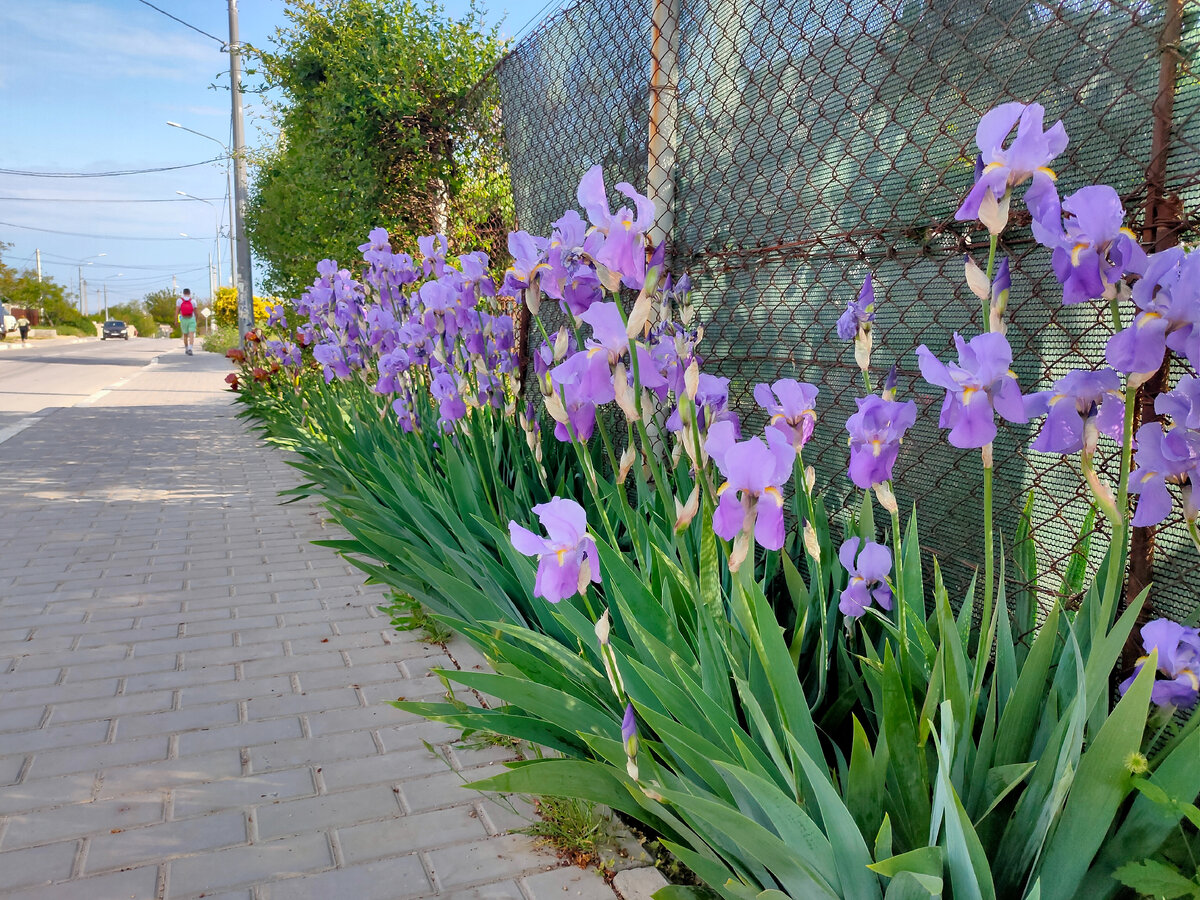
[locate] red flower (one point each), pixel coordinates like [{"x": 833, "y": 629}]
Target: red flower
[
  {"x": 260, "y": 374},
  {"x": 235, "y": 354},
  {"x": 232, "y": 380}
]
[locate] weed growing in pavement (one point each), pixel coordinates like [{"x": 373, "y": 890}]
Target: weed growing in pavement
[{"x": 407, "y": 614}]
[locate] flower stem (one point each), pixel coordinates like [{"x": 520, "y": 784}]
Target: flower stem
[
  {"x": 1120, "y": 539},
  {"x": 989, "y": 553},
  {"x": 898, "y": 584},
  {"x": 993, "y": 240}
]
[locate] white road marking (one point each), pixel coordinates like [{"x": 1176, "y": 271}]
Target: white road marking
[{"x": 17, "y": 427}]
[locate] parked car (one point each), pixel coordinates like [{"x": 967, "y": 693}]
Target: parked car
[
  {"x": 8, "y": 322},
  {"x": 114, "y": 328}
]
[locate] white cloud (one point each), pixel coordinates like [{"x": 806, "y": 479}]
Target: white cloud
[{"x": 65, "y": 39}]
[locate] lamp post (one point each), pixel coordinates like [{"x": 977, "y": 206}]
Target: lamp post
[
  {"x": 217, "y": 221},
  {"x": 118, "y": 275},
  {"x": 228, "y": 188},
  {"x": 85, "y": 262},
  {"x": 212, "y": 287}
]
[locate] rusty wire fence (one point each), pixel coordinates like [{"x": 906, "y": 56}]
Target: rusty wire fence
[{"x": 795, "y": 147}]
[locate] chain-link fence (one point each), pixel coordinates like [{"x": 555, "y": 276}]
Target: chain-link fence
[{"x": 795, "y": 147}]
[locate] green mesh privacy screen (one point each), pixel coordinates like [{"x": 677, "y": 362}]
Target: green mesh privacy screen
[{"x": 820, "y": 141}]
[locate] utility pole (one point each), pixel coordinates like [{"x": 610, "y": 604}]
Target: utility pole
[
  {"x": 232, "y": 232},
  {"x": 245, "y": 281},
  {"x": 38, "y": 254},
  {"x": 81, "y": 312},
  {"x": 106, "y": 302}
]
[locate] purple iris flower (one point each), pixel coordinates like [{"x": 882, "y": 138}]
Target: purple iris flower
[
  {"x": 608, "y": 330},
  {"x": 1168, "y": 301},
  {"x": 629, "y": 731},
  {"x": 564, "y": 554},
  {"x": 377, "y": 250},
  {"x": 474, "y": 271},
  {"x": 569, "y": 277},
  {"x": 277, "y": 315},
  {"x": 1178, "y": 660},
  {"x": 582, "y": 382},
  {"x": 712, "y": 406},
  {"x": 1027, "y": 157},
  {"x": 451, "y": 407},
  {"x": 1092, "y": 251},
  {"x": 876, "y": 431},
  {"x": 868, "y": 577},
  {"x": 402, "y": 407},
  {"x": 1074, "y": 401},
  {"x": 623, "y": 251},
  {"x": 332, "y": 360},
  {"x": 629, "y": 738},
  {"x": 672, "y": 353},
  {"x": 792, "y": 407},
  {"x": 980, "y": 382},
  {"x": 589, "y": 373},
  {"x": 859, "y": 314},
  {"x": 754, "y": 470},
  {"x": 1001, "y": 285},
  {"x": 591, "y": 369},
  {"x": 543, "y": 359},
  {"x": 528, "y": 254},
  {"x": 1161, "y": 457},
  {"x": 1182, "y": 404},
  {"x": 434, "y": 248}
]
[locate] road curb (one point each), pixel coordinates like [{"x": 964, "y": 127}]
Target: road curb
[{"x": 52, "y": 342}]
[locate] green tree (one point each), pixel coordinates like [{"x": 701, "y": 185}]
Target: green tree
[
  {"x": 21, "y": 288},
  {"x": 160, "y": 305},
  {"x": 133, "y": 313},
  {"x": 370, "y": 133}
]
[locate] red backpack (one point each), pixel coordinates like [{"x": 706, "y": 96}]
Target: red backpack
[{"x": 186, "y": 308}]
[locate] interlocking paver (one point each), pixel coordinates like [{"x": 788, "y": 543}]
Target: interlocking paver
[
  {"x": 384, "y": 879},
  {"x": 342, "y": 808},
  {"x": 193, "y": 695},
  {"x": 80, "y": 819},
  {"x": 265, "y": 861},
  {"x": 375, "y": 840},
  {"x": 130, "y": 846},
  {"x": 244, "y": 792},
  {"x": 38, "y": 865}
]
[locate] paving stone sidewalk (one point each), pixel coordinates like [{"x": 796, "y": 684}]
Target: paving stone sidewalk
[{"x": 192, "y": 695}]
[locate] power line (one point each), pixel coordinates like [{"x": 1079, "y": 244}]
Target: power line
[
  {"x": 204, "y": 162},
  {"x": 49, "y": 259},
  {"x": 181, "y": 22},
  {"x": 105, "y": 237},
  {"x": 108, "y": 200}
]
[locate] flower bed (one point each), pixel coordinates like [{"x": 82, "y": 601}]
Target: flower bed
[{"x": 786, "y": 696}]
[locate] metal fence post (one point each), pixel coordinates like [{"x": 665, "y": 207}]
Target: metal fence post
[
  {"x": 664, "y": 116},
  {"x": 1159, "y": 232}
]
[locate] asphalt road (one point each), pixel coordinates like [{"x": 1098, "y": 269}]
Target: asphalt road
[{"x": 38, "y": 379}]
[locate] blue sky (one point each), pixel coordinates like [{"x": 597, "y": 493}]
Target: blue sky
[{"x": 89, "y": 87}]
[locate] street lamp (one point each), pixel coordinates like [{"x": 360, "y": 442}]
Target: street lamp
[
  {"x": 228, "y": 188},
  {"x": 212, "y": 287},
  {"x": 217, "y": 220},
  {"x": 84, "y": 262},
  {"x": 118, "y": 275}
]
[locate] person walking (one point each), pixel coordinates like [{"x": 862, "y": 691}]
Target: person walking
[
  {"x": 23, "y": 327},
  {"x": 186, "y": 309}
]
